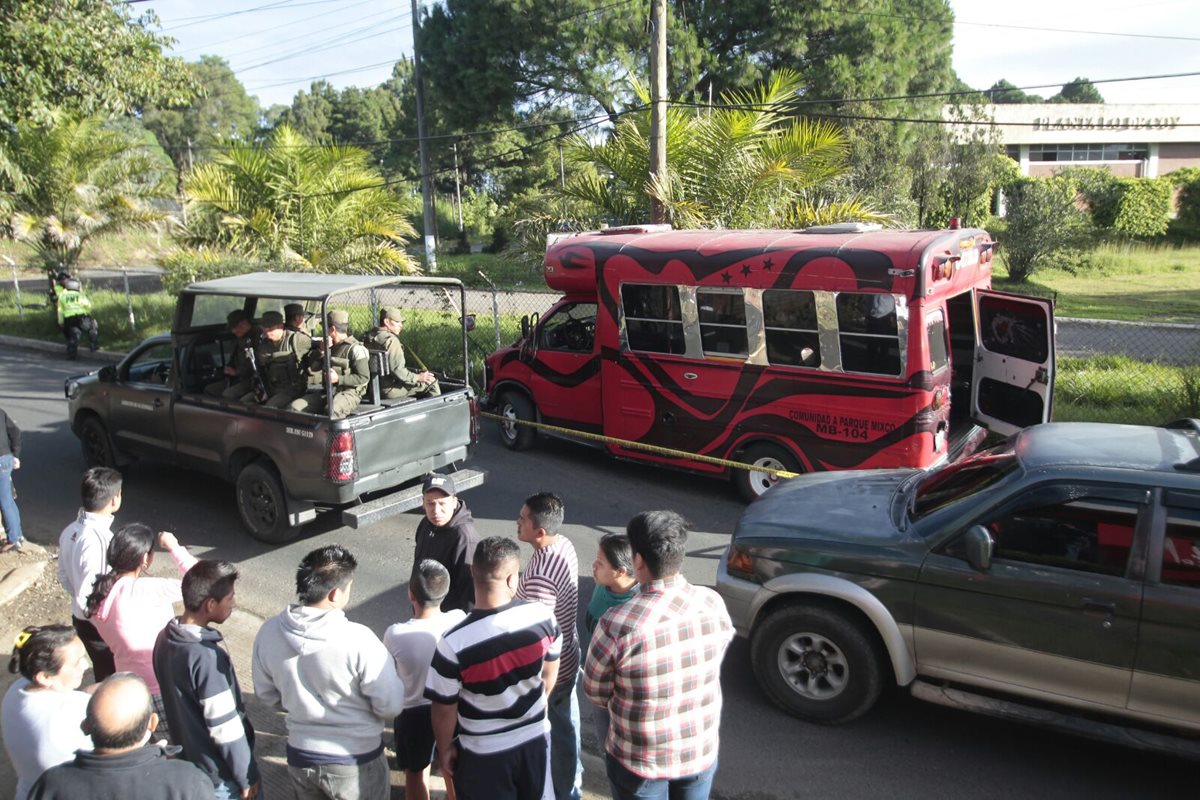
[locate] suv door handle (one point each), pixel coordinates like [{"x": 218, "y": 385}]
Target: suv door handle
[{"x": 1099, "y": 605}]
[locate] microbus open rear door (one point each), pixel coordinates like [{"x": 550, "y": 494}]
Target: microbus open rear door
[{"x": 1013, "y": 380}]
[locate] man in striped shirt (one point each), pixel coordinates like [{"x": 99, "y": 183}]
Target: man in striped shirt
[
  {"x": 489, "y": 678},
  {"x": 655, "y": 664},
  {"x": 552, "y": 578}
]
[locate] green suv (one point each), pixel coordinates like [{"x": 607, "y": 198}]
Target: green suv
[{"x": 1055, "y": 578}]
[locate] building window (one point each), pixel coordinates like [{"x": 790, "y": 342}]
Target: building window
[
  {"x": 1089, "y": 152},
  {"x": 790, "y": 318}
]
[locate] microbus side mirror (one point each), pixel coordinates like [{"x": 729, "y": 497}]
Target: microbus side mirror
[
  {"x": 525, "y": 327},
  {"x": 977, "y": 547}
]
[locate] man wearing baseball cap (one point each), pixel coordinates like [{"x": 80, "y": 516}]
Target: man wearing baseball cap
[
  {"x": 448, "y": 536},
  {"x": 295, "y": 319},
  {"x": 401, "y": 381},
  {"x": 280, "y": 355},
  {"x": 349, "y": 371},
  {"x": 237, "y": 381}
]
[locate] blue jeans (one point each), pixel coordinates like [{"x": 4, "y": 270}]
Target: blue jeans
[
  {"x": 8, "y": 506},
  {"x": 627, "y": 786},
  {"x": 228, "y": 790},
  {"x": 566, "y": 770}
]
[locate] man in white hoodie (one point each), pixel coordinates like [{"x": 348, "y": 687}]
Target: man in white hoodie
[{"x": 335, "y": 680}]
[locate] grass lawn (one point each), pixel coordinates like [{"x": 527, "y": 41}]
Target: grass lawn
[
  {"x": 1139, "y": 283},
  {"x": 130, "y": 249}
]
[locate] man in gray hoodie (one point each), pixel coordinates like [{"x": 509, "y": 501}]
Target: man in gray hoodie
[{"x": 335, "y": 680}]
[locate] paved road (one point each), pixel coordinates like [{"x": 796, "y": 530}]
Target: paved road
[{"x": 903, "y": 749}]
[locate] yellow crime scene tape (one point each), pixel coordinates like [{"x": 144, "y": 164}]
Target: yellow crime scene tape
[{"x": 649, "y": 448}]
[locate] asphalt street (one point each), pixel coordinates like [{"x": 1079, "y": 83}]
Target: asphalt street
[{"x": 902, "y": 749}]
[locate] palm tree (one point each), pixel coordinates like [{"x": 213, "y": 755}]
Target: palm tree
[
  {"x": 72, "y": 180},
  {"x": 290, "y": 203},
  {"x": 746, "y": 163}
]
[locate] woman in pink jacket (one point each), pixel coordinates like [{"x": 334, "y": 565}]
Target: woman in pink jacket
[{"x": 130, "y": 609}]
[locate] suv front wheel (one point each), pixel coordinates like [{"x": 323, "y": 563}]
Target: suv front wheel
[{"x": 818, "y": 663}]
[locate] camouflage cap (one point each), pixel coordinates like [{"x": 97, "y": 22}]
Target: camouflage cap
[
  {"x": 236, "y": 316},
  {"x": 392, "y": 313},
  {"x": 339, "y": 318},
  {"x": 293, "y": 310},
  {"x": 270, "y": 319}
]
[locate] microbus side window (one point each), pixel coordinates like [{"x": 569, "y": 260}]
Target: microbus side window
[
  {"x": 868, "y": 333},
  {"x": 790, "y": 318},
  {"x": 935, "y": 329},
  {"x": 653, "y": 322},
  {"x": 722, "y": 322}
]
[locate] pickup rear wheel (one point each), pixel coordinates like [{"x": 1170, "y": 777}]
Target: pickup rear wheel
[
  {"x": 262, "y": 504},
  {"x": 817, "y": 663},
  {"x": 515, "y": 408},
  {"x": 96, "y": 445},
  {"x": 752, "y": 483}
]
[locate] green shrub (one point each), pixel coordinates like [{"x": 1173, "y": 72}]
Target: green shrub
[
  {"x": 1186, "y": 225},
  {"x": 1045, "y": 226},
  {"x": 1143, "y": 208},
  {"x": 184, "y": 267}
]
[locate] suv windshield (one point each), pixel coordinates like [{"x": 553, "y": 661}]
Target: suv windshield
[{"x": 963, "y": 479}]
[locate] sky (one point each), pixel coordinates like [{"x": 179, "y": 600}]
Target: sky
[{"x": 278, "y": 47}]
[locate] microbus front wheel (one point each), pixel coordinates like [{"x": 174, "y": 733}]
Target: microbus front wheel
[
  {"x": 752, "y": 483},
  {"x": 515, "y": 408}
]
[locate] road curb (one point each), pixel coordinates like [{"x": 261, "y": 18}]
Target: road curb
[
  {"x": 13, "y": 584},
  {"x": 59, "y": 348}
]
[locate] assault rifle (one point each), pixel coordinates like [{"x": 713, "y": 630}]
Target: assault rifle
[{"x": 256, "y": 379}]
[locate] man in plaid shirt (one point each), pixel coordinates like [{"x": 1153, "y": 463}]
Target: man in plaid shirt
[{"x": 655, "y": 664}]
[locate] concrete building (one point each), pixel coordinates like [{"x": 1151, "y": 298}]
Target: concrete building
[{"x": 1142, "y": 141}]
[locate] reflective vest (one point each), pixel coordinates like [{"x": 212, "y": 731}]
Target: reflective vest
[{"x": 72, "y": 303}]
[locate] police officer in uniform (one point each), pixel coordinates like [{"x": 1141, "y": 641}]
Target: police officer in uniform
[
  {"x": 238, "y": 372},
  {"x": 75, "y": 318},
  {"x": 401, "y": 382},
  {"x": 349, "y": 371},
  {"x": 280, "y": 354}
]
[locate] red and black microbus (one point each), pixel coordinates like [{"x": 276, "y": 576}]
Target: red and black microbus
[{"x": 838, "y": 347}]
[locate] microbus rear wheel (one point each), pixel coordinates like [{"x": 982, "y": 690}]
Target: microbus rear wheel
[
  {"x": 752, "y": 483},
  {"x": 515, "y": 408}
]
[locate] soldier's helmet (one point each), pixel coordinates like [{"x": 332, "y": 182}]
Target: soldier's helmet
[{"x": 71, "y": 284}]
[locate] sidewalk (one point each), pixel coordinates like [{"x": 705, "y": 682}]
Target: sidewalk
[{"x": 270, "y": 744}]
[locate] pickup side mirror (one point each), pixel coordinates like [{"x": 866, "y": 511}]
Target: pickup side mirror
[
  {"x": 107, "y": 374},
  {"x": 977, "y": 547}
]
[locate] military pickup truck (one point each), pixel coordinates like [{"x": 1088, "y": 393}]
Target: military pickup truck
[{"x": 287, "y": 465}]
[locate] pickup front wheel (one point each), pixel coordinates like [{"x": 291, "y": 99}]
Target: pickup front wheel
[
  {"x": 818, "y": 663},
  {"x": 262, "y": 504},
  {"x": 97, "y": 447},
  {"x": 515, "y": 408}
]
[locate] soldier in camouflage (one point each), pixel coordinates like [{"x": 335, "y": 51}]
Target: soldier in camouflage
[
  {"x": 238, "y": 373},
  {"x": 349, "y": 371},
  {"x": 401, "y": 381},
  {"x": 281, "y": 354}
]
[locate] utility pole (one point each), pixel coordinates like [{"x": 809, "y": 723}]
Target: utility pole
[
  {"x": 658, "y": 101},
  {"x": 423, "y": 147},
  {"x": 457, "y": 190}
]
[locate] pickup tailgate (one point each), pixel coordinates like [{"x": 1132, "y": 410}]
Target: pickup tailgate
[{"x": 401, "y": 442}]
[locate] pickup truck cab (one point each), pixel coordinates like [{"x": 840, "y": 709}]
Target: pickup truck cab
[{"x": 288, "y": 466}]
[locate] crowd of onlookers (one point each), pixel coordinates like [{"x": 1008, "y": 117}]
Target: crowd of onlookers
[{"x": 484, "y": 678}]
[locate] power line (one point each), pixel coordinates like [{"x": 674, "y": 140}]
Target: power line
[
  {"x": 274, "y": 28},
  {"x": 913, "y": 18},
  {"x": 197, "y": 20},
  {"x": 337, "y": 41}
]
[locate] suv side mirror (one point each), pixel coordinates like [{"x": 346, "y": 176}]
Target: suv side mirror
[{"x": 977, "y": 546}]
